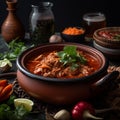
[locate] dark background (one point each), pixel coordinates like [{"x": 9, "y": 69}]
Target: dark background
[{"x": 67, "y": 12}]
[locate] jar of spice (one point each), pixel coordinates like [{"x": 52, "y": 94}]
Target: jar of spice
[{"x": 41, "y": 23}]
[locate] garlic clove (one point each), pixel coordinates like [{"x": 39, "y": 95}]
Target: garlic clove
[
  {"x": 62, "y": 115},
  {"x": 55, "y": 39}
]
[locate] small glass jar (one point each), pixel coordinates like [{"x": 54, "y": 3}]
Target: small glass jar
[
  {"x": 92, "y": 22},
  {"x": 41, "y": 23}
]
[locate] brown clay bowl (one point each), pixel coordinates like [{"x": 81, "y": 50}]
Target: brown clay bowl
[
  {"x": 111, "y": 53},
  {"x": 61, "y": 91},
  {"x": 103, "y": 37},
  {"x": 107, "y": 42}
]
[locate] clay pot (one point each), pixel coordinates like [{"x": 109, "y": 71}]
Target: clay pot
[
  {"x": 107, "y": 42},
  {"x": 60, "y": 91},
  {"x": 108, "y": 46},
  {"x": 12, "y": 27}
]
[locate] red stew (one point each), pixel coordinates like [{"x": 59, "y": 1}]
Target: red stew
[
  {"x": 49, "y": 65},
  {"x": 111, "y": 35}
]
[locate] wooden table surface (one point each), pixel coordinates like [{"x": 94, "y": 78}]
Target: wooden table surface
[{"x": 105, "y": 100}]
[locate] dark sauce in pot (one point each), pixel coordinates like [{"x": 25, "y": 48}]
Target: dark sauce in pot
[
  {"x": 111, "y": 35},
  {"x": 43, "y": 30}
]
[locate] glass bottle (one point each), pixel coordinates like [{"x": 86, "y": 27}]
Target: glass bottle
[
  {"x": 12, "y": 27},
  {"x": 41, "y": 23},
  {"x": 92, "y": 22}
]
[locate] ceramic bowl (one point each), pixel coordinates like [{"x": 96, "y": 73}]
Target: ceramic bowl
[
  {"x": 72, "y": 36},
  {"x": 107, "y": 40},
  {"x": 108, "y": 37},
  {"x": 111, "y": 53},
  {"x": 56, "y": 90}
]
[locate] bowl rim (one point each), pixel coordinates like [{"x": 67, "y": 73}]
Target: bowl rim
[
  {"x": 108, "y": 44},
  {"x": 24, "y": 70},
  {"x": 96, "y": 36},
  {"x": 107, "y": 50},
  {"x": 69, "y": 35}
]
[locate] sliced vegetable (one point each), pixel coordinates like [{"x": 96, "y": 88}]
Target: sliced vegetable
[
  {"x": 5, "y": 90},
  {"x": 83, "y": 110},
  {"x": 9, "y": 112},
  {"x": 27, "y": 103},
  {"x": 3, "y": 83},
  {"x": 5, "y": 65}
]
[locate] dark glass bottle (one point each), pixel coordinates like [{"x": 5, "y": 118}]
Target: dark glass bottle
[{"x": 41, "y": 23}]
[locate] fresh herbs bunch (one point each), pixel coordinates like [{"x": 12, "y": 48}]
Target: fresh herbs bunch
[
  {"x": 14, "y": 49},
  {"x": 70, "y": 56},
  {"x": 9, "y": 112}
]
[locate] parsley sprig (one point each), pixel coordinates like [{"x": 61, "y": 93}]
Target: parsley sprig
[
  {"x": 70, "y": 56},
  {"x": 14, "y": 49}
]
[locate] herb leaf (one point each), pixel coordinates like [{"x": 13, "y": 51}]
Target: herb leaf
[
  {"x": 14, "y": 49},
  {"x": 70, "y": 56}
]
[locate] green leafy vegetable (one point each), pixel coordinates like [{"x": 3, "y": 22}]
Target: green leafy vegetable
[
  {"x": 70, "y": 56},
  {"x": 20, "y": 113},
  {"x": 4, "y": 108},
  {"x": 9, "y": 112},
  {"x": 10, "y": 101},
  {"x": 14, "y": 49}
]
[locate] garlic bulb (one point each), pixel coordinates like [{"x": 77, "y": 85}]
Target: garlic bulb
[{"x": 55, "y": 39}]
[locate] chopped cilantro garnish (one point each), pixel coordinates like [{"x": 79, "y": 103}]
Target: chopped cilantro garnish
[{"x": 70, "y": 56}]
